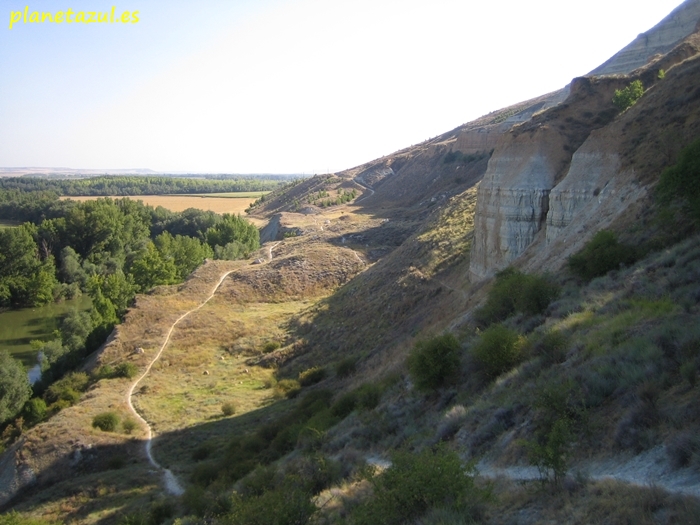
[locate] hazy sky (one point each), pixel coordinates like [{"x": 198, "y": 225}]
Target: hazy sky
[{"x": 283, "y": 86}]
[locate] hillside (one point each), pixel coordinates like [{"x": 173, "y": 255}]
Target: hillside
[{"x": 299, "y": 386}]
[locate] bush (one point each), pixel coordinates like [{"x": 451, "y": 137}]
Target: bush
[
  {"x": 681, "y": 182},
  {"x": 106, "y": 421},
  {"x": 311, "y": 376},
  {"x": 34, "y": 410},
  {"x": 346, "y": 367},
  {"x": 271, "y": 346},
  {"x": 368, "y": 396},
  {"x": 344, "y": 406},
  {"x": 127, "y": 370},
  {"x": 285, "y": 505},
  {"x": 627, "y": 97},
  {"x": 416, "y": 483},
  {"x": 498, "y": 350},
  {"x": 552, "y": 347},
  {"x": 434, "y": 363},
  {"x": 600, "y": 255},
  {"x": 129, "y": 425},
  {"x": 289, "y": 388},
  {"x": 228, "y": 409},
  {"x": 514, "y": 291}
]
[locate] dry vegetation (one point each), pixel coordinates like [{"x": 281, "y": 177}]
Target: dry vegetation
[{"x": 177, "y": 203}]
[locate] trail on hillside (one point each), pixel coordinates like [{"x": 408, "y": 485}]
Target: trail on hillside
[
  {"x": 361, "y": 182},
  {"x": 172, "y": 485}
]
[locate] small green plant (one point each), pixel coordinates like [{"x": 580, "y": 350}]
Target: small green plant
[
  {"x": 552, "y": 347},
  {"x": 600, "y": 255},
  {"x": 680, "y": 184},
  {"x": 312, "y": 376},
  {"x": 417, "y": 483},
  {"x": 289, "y": 388},
  {"x": 514, "y": 291},
  {"x": 498, "y": 350},
  {"x": 127, "y": 370},
  {"x": 129, "y": 425},
  {"x": 228, "y": 408},
  {"x": 34, "y": 410},
  {"x": 434, "y": 363},
  {"x": 271, "y": 346},
  {"x": 661, "y": 75},
  {"x": 346, "y": 367},
  {"x": 106, "y": 421},
  {"x": 627, "y": 97}
]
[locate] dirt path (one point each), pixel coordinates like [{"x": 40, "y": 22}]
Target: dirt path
[
  {"x": 361, "y": 182},
  {"x": 172, "y": 485}
]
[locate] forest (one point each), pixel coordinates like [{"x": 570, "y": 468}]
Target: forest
[
  {"x": 108, "y": 186},
  {"x": 108, "y": 248}
]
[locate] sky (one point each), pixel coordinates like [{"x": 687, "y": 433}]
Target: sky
[{"x": 282, "y": 86}]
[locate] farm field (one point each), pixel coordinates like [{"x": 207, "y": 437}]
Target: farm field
[
  {"x": 217, "y": 202},
  {"x": 8, "y": 224}
]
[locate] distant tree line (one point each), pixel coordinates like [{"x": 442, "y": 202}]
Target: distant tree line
[
  {"x": 108, "y": 248},
  {"x": 109, "y": 186}
]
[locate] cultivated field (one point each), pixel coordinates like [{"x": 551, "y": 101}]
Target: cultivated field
[{"x": 220, "y": 203}]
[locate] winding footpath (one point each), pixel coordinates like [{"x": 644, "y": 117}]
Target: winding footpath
[{"x": 172, "y": 485}]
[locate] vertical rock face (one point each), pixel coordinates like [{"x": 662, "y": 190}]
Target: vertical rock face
[
  {"x": 592, "y": 168},
  {"x": 512, "y": 203},
  {"x": 514, "y": 197}
]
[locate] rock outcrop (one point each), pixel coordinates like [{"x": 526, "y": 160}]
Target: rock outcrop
[
  {"x": 659, "y": 40},
  {"x": 548, "y": 171}
]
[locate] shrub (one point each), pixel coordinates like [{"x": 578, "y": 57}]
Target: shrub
[
  {"x": 600, "y": 255},
  {"x": 552, "y": 347},
  {"x": 129, "y": 425},
  {"x": 498, "y": 350},
  {"x": 271, "y": 346},
  {"x": 346, "y": 367},
  {"x": 34, "y": 410},
  {"x": 414, "y": 484},
  {"x": 514, "y": 291},
  {"x": 127, "y": 370},
  {"x": 106, "y": 421},
  {"x": 368, "y": 395},
  {"x": 311, "y": 376},
  {"x": 627, "y": 97},
  {"x": 288, "y": 504},
  {"x": 289, "y": 388},
  {"x": 344, "y": 406},
  {"x": 681, "y": 182},
  {"x": 68, "y": 388},
  {"x": 228, "y": 408},
  {"x": 434, "y": 363}
]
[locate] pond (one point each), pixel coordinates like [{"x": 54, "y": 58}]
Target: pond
[{"x": 19, "y": 327}]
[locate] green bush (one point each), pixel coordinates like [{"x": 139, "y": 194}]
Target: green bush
[
  {"x": 681, "y": 182},
  {"x": 127, "y": 370},
  {"x": 34, "y": 410},
  {"x": 271, "y": 346},
  {"x": 416, "y": 483},
  {"x": 68, "y": 388},
  {"x": 15, "y": 518},
  {"x": 600, "y": 255},
  {"x": 312, "y": 376},
  {"x": 498, "y": 350},
  {"x": 288, "y": 504},
  {"x": 289, "y": 388},
  {"x": 514, "y": 291},
  {"x": 552, "y": 347},
  {"x": 106, "y": 421},
  {"x": 129, "y": 425},
  {"x": 434, "y": 363},
  {"x": 368, "y": 395},
  {"x": 345, "y": 404},
  {"x": 228, "y": 408},
  {"x": 627, "y": 97},
  {"x": 346, "y": 367}
]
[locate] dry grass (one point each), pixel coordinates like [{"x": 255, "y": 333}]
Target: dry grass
[{"x": 182, "y": 202}]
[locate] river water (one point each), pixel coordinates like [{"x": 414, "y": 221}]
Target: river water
[{"x": 21, "y": 326}]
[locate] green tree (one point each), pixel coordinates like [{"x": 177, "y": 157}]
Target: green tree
[
  {"x": 151, "y": 269},
  {"x": 435, "y": 362},
  {"x": 627, "y": 97},
  {"x": 187, "y": 253},
  {"x": 14, "y": 387}
]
